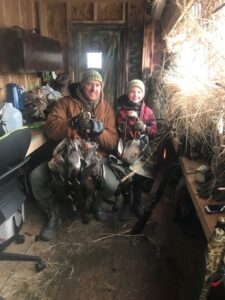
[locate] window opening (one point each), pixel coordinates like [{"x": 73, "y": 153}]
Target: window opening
[{"x": 94, "y": 60}]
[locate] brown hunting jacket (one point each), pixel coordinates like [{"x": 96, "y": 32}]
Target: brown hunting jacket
[{"x": 57, "y": 124}]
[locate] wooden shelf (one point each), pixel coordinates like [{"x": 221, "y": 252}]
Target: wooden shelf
[{"x": 208, "y": 221}]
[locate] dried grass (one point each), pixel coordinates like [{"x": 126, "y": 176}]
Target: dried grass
[{"x": 193, "y": 85}]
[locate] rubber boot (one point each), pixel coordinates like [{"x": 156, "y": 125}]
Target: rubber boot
[
  {"x": 125, "y": 211},
  {"x": 99, "y": 213},
  {"x": 53, "y": 221},
  {"x": 136, "y": 205}
]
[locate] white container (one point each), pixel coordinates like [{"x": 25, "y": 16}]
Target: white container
[{"x": 12, "y": 117}]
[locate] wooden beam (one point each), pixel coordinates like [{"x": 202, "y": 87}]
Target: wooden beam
[
  {"x": 147, "y": 43},
  {"x": 176, "y": 15},
  {"x": 95, "y": 11}
]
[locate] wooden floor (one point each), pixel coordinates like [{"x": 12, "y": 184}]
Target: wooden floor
[{"x": 103, "y": 261}]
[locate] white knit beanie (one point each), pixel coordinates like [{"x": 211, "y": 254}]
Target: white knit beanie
[{"x": 138, "y": 83}]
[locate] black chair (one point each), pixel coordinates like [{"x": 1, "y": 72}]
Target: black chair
[{"x": 13, "y": 149}]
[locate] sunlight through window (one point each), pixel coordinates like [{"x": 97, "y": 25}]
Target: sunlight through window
[{"x": 94, "y": 60}]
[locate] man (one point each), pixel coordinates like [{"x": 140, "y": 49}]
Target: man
[{"x": 91, "y": 117}]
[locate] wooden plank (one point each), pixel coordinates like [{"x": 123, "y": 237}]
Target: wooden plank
[
  {"x": 81, "y": 11},
  {"x": 42, "y": 17},
  {"x": 2, "y": 15},
  {"x": 57, "y": 23},
  {"x": 95, "y": 11},
  {"x": 172, "y": 15},
  {"x": 10, "y": 10},
  {"x": 110, "y": 11},
  {"x": 31, "y": 14},
  {"x": 22, "y": 17},
  {"x": 27, "y": 14},
  {"x": 147, "y": 43},
  {"x": 17, "y": 13}
]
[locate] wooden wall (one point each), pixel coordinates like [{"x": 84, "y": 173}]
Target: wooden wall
[
  {"x": 56, "y": 17},
  {"x": 17, "y": 13},
  {"x": 53, "y": 18}
]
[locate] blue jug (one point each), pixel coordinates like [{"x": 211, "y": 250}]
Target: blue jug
[
  {"x": 21, "y": 94},
  {"x": 15, "y": 95}
]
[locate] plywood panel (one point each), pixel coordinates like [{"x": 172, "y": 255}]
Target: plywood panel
[
  {"x": 57, "y": 25},
  {"x": 10, "y": 10},
  {"x": 57, "y": 21},
  {"x": 82, "y": 11},
  {"x": 27, "y": 14},
  {"x": 110, "y": 11}
]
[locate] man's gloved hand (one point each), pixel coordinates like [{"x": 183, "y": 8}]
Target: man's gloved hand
[
  {"x": 84, "y": 123},
  {"x": 140, "y": 126},
  {"x": 96, "y": 126},
  {"x": 81, "y": 122}
]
